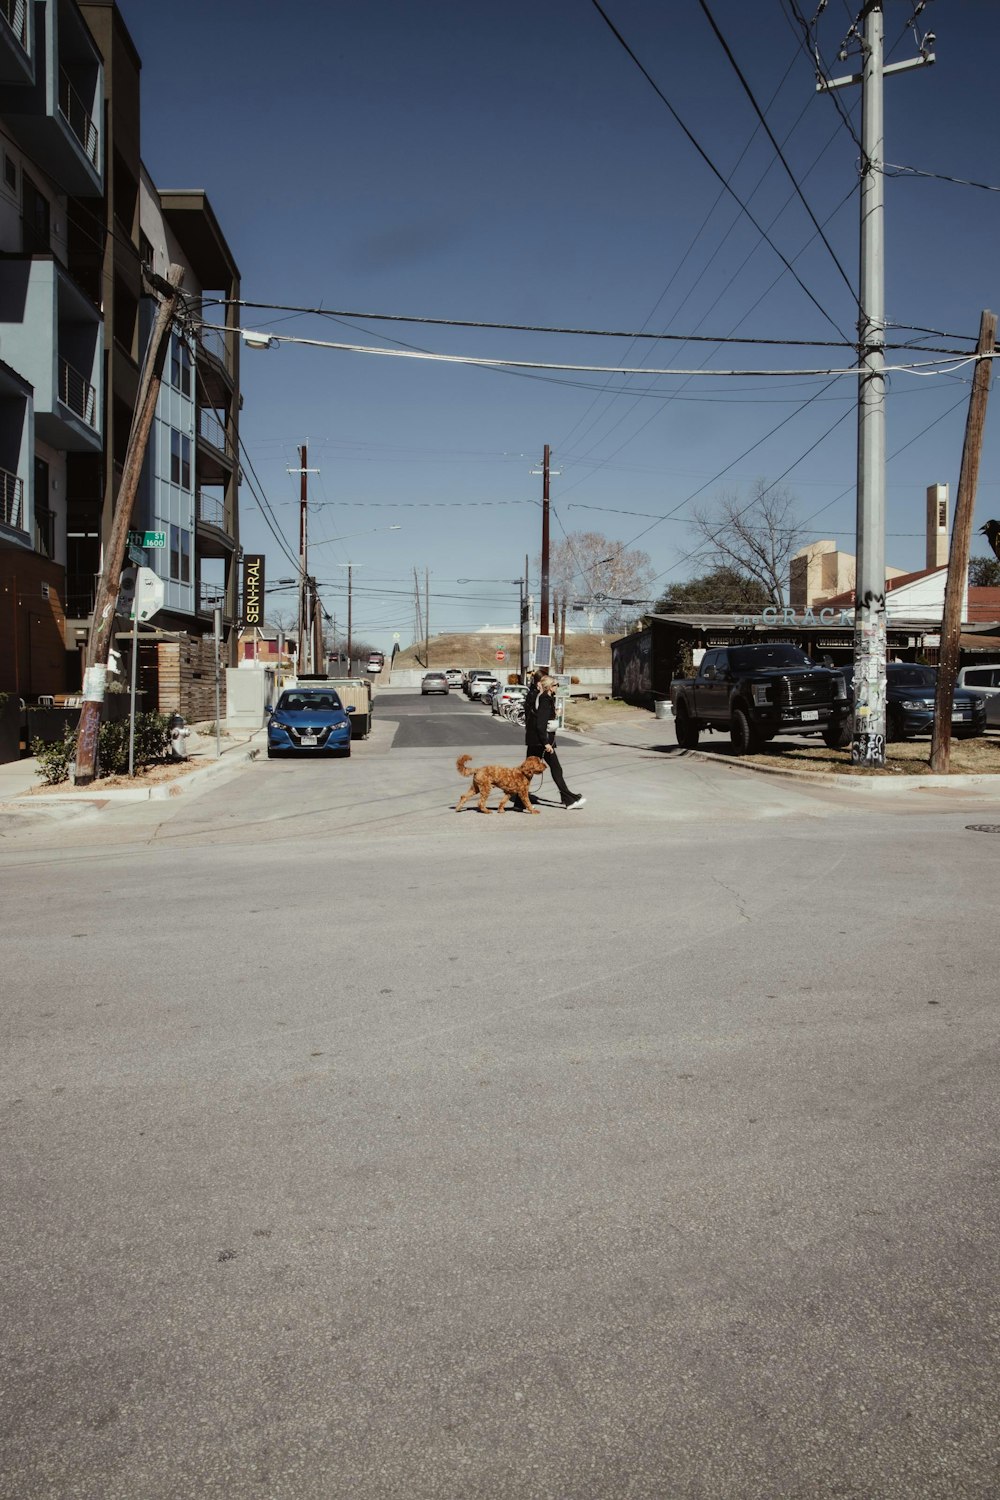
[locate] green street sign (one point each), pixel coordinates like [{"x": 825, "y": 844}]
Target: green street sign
[
  {"x": 154, "y": 539},
  {"x": 134, "y": 538}
]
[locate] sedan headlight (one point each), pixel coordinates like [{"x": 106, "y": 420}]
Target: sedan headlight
[
  {"x": 341, "y": 724},
  {"x": 276, "y": 724}
]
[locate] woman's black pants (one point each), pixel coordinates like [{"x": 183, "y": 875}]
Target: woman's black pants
[{"x": 552, "y": 764}]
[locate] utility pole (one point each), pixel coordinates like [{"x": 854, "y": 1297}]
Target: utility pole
[
  {"x": 545, "y": 542},
  {"x": 319, "y": 656},
  {"x": 417, "y": 620},
  {"x": 99, "y": 644},
  {"x": 427, "y": 617},
  {"x": 961, "y": 534},
  {"x": 868, "y": 748},
  {"x": 305, "y": 659},
  {"x": 350, "y": 615}
]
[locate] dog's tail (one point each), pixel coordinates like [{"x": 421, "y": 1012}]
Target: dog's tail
[{"x": 462, "y": 765}]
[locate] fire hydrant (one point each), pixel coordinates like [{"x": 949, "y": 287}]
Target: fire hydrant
[{"x": 178, "y": 732}]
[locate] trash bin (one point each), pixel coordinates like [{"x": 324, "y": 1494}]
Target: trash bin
[{"x": 664, "y": 708}]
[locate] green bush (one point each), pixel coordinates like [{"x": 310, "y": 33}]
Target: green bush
[{"x": 152, "y": 738}]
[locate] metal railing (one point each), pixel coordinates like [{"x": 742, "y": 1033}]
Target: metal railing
[
  {"x": 11, "y": 499},
  {"x": 214, "y": 342},
  {"x": 212, "y": 510},
  {"x": 213, "y": 430},
  {"x": 210, "y": 596},
  {"x": 16, "y": 12},
  {"x": 77, "y": 117},
  {"x": 76, "y": 392}
]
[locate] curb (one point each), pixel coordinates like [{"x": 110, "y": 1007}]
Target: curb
[{"x": 158, "y": 793}]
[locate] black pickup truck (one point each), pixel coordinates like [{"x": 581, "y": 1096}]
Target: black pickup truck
[{"x": 757, "y": 692}]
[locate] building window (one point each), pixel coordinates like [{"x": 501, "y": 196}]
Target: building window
[
  {"x": 36, "y": 220},
  {"x": 180, "y": 459},
  {"x": 180, "y": 555},
  {"x": 145, "y": 249},
  {"x": 180, "y": 365},
  {"x": 10, "y": 173}
]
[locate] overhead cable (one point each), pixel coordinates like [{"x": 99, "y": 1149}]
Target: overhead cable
[{"x": 711, "y": 165}]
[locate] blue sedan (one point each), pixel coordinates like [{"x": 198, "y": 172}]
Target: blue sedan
[{"x": 309, "y": 719}]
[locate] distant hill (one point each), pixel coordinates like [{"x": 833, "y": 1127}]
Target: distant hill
[{"x": 467, "y": 651}]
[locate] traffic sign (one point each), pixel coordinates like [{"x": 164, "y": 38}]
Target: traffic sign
[
  {"x": 154, "y": 538},
  {"x": 501, "y": 656},
  {"x": 136, "y": 555},
  {"x": 149, "y": 593}
]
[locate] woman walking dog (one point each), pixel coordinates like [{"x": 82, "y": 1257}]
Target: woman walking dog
[{"x": 540, "y": 734}]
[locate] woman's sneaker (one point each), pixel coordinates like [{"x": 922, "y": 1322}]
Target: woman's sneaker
[{"x": 577, "y": 801}]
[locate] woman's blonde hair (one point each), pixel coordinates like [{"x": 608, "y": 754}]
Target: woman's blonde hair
[{"x": 547, "y": 685}]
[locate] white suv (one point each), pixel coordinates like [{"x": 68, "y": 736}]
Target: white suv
[{"x": 985, "y": 680}]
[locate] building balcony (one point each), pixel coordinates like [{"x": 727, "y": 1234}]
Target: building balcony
[
  {"x": 16, "y": 53},
  {"x": 214, "y": 457},
  {"x": 211, "y": 596},
  {"x": 214, "y": 537},
  {"x": 52, "y": 337},
  {"x": 11, "y": 501},
  {"x": 17, "y": 452},
  {"x": 216, "y": 380},
  {"x": 56, "y": 114}
]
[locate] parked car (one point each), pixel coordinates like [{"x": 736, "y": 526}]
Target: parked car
[
  {"x": 986, "y": 682},
  {"x": 474, "y": 676},
  {"x": 479, "y": 687},
  {"x": 376, "y": 662},
  {"x": 307, "y": 719},
  {"x": 455, "y": 676},
  {"x": 507, "y": 693},
  {"x": 909, "y": 702},
  {"x": 434, "y": 682}
]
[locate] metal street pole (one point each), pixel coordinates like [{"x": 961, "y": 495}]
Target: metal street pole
[
  {"x": 545, "y": 542},
  {"x": 868, "y": 747},
  {"x": 217, "y": 632},
  {"x": 131, "y": 706}
]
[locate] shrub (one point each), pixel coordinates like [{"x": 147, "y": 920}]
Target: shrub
[{"x": 152, "y": 739}]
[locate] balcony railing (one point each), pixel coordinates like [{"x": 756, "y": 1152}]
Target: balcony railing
[
  {"x": 16, "y": 12},
  {"x": 210, "y": 596},
  {"x": 76, "y": 392},
  {"x": 11, "y": 499},
  {"x": 212, "y": 510},
  {"x": 75, "y": 113},
  {"x": 213, "y": 342},
  {"x": 213, "y": 430}
]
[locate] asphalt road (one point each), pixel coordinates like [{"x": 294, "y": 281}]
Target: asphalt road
[
  {"x": 355, "y": 1149},
  {"x": 436, "y": 721}
]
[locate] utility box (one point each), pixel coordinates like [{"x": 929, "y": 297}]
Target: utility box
[
  {"x": 248, "y": 691},
  {"x": 350, "y": 690}
]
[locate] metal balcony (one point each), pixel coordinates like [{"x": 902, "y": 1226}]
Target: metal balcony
[
  {"x": 74, "y": 112},
  {"x": 11, "y": 499},
  {"x": 210, "y": 596},
  {"x": 76, "y": 392}
]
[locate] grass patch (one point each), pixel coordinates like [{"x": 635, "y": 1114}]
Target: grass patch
[
  {"x": 908, "y": 758},
  {"x": 583, "y": 714}
]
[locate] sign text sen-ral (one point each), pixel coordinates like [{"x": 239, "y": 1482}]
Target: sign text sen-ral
[
  {"x": 775, "y": 616},
  {"x": 253, "y": 589}
]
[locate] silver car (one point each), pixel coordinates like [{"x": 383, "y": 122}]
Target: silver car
[
  {"x": 434, "y": 682},
  {"x": 986, "y": 682}
]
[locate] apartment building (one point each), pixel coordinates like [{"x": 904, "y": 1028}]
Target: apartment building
[
  {"x": 80, "y": 224},
  {"x": 51, "y": 323}
]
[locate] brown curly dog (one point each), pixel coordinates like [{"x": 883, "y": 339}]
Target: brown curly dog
[{"x": 513, "y": 781}]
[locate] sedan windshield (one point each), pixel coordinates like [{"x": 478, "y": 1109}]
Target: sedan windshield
[
  {"x": 299, "y": 700},
  {"x": 757, "y": 659},
  {"x": 921, "y": 677}
]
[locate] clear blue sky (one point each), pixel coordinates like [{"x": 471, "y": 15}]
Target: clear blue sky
[{"x": 510, "y": 163}]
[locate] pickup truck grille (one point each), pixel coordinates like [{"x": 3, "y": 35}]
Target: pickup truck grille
[{"x": 800, "y": 692}]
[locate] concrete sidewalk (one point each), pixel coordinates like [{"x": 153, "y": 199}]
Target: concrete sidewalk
[{"x": 18, "y": 778}]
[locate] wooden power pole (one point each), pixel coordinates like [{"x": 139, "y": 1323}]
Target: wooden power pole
[
  {"x": 109, "y": 584},
  {"x": 961, "y": 535}
]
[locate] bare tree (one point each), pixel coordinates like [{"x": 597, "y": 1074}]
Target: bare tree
[
  {"x": 756, "y": 538},
  {"x": 596, "y": 574}
]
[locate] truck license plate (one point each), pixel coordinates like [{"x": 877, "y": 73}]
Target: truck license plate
[
  {"x": 308, "y": 739},
  {"x": 809, "y": 713}
]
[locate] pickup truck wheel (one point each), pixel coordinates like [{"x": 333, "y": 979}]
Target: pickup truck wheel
[
  {"x": 744, "y": 740},
  {"x": 685, "y": 728},
  {"x": 839, "y": 736}
]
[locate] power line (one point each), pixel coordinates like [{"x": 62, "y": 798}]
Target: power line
[
  {"x": 778, "y": 151},
  {"x": 711, "y": 165}
]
